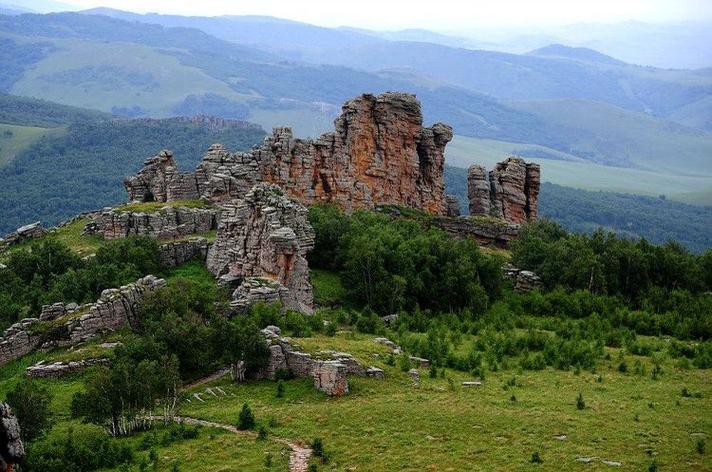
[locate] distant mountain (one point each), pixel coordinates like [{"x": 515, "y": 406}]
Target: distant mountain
[
  {"x": 579, "y": 54},
  {"x": 552, "y": 72}
]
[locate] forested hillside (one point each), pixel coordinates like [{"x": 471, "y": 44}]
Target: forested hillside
[{"x": 60, "y": 176}]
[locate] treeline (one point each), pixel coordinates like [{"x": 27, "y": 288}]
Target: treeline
[
  {"x": 27, "y": 111},
  {"x": 659, "y": 220},
  {"x": 59, "y": 177},
  {"x": 49, "y": 272},
  {"x": 667, "y": 286},
  {"x": 392, "y": 264}
]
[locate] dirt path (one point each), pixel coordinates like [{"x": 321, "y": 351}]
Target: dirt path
[
  {"x": 217, "y": 375},
  {"x": 298, "y": 458}
]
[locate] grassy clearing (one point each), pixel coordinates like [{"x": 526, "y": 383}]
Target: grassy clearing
[
  {"x": 71, "y": 235},
  {"x": 153, "y": 207},
  {"x": 328, "y": 288},
  {"x": 194, "y": 270},
  {"x": 439, "y": 425},
  {"x": 15, "y": 139}
]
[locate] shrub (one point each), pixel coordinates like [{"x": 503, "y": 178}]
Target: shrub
[
  {"x": 246, "y": 419},
  {"x": 536, "y": 458},
  {"x": 261, "y": 433},
  {"x": 280, "y": 388},
  {"x": 404, "y": 363},
  {"x": 700, "y": 446},
  {"x": 580, "y": 403},
  {"x": 30, "y": 402}
]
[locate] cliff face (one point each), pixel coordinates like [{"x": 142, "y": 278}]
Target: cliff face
[
  {"x": 510, "y": 191},
  {"x": 262, "y": 242},
  {"x": 378, "y": 154}
]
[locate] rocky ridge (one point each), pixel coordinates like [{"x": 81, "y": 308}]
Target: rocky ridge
[
  {"x": 378, "y": 154},
  {"x": 70, "y": 324}
]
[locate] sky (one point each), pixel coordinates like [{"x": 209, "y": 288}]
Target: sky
[{"x": 430, "y": 14}]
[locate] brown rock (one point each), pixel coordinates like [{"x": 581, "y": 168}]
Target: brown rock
[
  {"x": 509, "y": 192},
  {"x": 379, "y": 154}
]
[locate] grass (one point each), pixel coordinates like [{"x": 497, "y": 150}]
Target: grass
[
  {"x": 464, "y": 151},
  {"x": 101, "y": 75},
  {"x": 393, "y": 425},
  {"x": 153, "y": 207},
  {"x": 193, "y": 270},
  {"x": 214, "y": 450},
  {"x": 328, "y": 289},
  {"x": 15, "y": 139},
  {"x": 71, "y": 235}
]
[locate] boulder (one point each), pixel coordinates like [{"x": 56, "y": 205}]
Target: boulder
[{"x": 12, "y": 451}]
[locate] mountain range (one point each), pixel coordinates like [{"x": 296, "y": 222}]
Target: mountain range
[{"x": 596, "y": 121}]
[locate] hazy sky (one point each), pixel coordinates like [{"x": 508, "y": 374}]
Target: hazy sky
[{"x": 434, "y": 14}]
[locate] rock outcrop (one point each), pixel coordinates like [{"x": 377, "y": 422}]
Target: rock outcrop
[
  {"x": 165, "y": 223},
  {"x": 55, "y": 370},
  {"x": 510, "y": 191},
  {"x": 65, "y": 325},
  {"x": 378, "y": 154},
  {"x": 22, "y": 234},
  {"x": 261, "y": 246},
  {"x": 175, "y": 253},
  {"x": 486, "y": 231},
  {"x": 329, "y": 369},
  {"x": 524, "y": 280},
  {"x": 12, "y": 451}
]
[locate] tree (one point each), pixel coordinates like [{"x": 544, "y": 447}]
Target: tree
[
  {"x": 30, "y": 403},
  {"x": 246, "y": 420}
]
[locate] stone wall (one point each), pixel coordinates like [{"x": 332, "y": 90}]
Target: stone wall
[
  {"x": 175, "y": 253},
  {"x": 114, "y": 309},
  {"x": 55, "y": 370},
  {"x": 262, "y": 241},
  {"x": 166, "y": 223},
  {"x": 509, "y": 192},
  {"x": 378, "y": 154},
  {"x": 486, "y": 231},
  {"x": 329, "y": 370}
]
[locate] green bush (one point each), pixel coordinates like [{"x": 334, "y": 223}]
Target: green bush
[
  {"x": 246, "y": 420},
  {"x": 31, "y": 404}
]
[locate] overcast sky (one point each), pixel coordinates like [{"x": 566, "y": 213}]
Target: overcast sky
[{"x": 432, "y": 14}]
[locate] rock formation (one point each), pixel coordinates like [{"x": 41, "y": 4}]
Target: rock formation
[
  {"x": 165, "y": 223},
  {"x": 510, "y": 191},
  {"x": 175, "y": 253},
  {"x": 524, "y": 280},
  {"x": 261, "y": 245},
  {"x": 55, "y": 370},
  {"x": 12, "y": 450},
  {"x": 22, "y": 234},
  {"x": 69, "y": 324},
  {"x": 486, "y": 233},
  {"x": 329, "y": 369},
  {"x": 379, "y": 154}
]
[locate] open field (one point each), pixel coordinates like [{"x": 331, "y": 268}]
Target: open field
[
  {"x": 394, "y": 425},
  {"x": 15, "y": 139}
]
